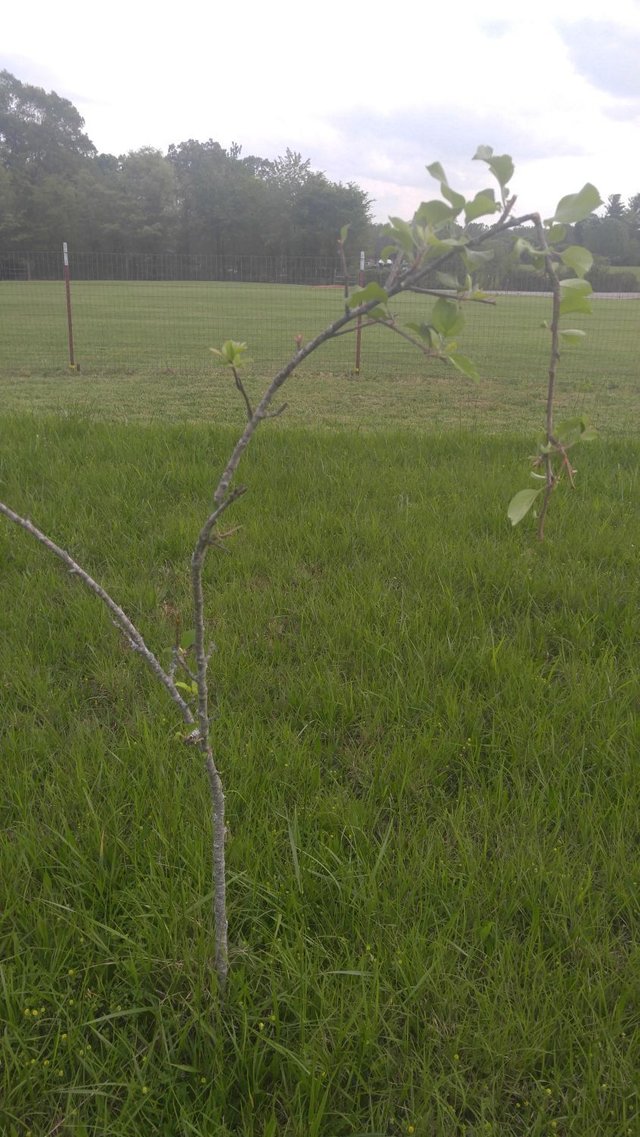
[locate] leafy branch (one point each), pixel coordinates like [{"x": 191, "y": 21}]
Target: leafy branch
[{"x": 569, "y": 296}]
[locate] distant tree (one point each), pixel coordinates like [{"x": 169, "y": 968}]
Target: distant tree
[
  {"x": 318, "y": 210},
  {"x": 615, "y": 206},
  {"x": 39, "y": 132},
  {"x": 632, "y": 214},
  {"x": 290, "y": 172},
  {"x": 148, "y": 201},
  {"x": 197, "y": 198}
]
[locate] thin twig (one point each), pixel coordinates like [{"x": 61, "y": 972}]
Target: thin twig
[
  {"x": 554, "y": 356},
  {"x": 122, "y": 621},
  {"x": 449, "y": 294},
  {"x": 241, "y": 388},
  {"x": 345, "y": 273}
]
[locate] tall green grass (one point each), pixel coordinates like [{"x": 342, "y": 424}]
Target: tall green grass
[{"x": 428, "y": 729}]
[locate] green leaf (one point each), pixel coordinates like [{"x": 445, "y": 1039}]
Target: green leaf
[
  {"x": 231, "y": 352},
  {"x": 401, "y": 230},
  {"x": 572, "y": 335},
  {"x": 502, "y": 168},
  {"x": 378, "y": 314},
  {"x": 457, "y": 199},
  {"x": 448, "y": 280},
  {"x": 483, "y": 154},
  {"x": 437, "y": 172},
  {"x": 464, "y": 364},
  {"x": 344, "y": 233},
  {"x": 388, "y": 251},
  {"x": 576, "y": 206},
  {"x": 445, "y": 244},
  {"x": 446, "y": 317},
  {"x": 423, "y": 331},
  {"x": 521, "y": 245},
  {"x": 433, "y": 213},
  {"x": 188, "y": 639},
  {"x": 475, "y": 257},
  {"x": 484, "y": 202},
  {"x": 572, "y": 430},
  {"x": 577, "y": 258},
  {"x": 372, "y": 291},
  {"x": 191, "y": 688},
  {"x": 575, "y": 296},
  {"x": 556, "y": 234},
  {"x": 571, "y": 304},
  {"x": 578, "y": 286},
  {"x": 520, "y": 505}
]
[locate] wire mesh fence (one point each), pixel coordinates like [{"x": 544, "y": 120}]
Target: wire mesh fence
[
  {"x": 155, "y": 314},
  {"x": 173, "y": 266}
]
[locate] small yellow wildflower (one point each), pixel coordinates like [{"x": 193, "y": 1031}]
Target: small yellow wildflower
[{"x": 145, "y": 1089}]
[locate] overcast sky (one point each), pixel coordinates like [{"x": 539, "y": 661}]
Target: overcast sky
[{"x": 369, "y": 92}]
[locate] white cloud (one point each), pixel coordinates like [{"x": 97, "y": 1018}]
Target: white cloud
[{"x": 369, "y": 98}]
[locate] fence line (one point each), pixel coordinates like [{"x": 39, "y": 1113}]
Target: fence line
[
  {"x": 132, "y": 326},
  {"x": 244, "y": 268},
  {"x": 252, "y": 269}
]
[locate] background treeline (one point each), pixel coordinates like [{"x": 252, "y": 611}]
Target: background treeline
[
  {"x": 197, "y": 198},
  {"x": 614, "y": 240},
  {"x": 202, "y": 200}
]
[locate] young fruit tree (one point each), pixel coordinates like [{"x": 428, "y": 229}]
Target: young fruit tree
[{"x": 434, "y": 255}]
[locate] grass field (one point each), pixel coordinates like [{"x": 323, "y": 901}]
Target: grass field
[
  {"x": 428, "y": 727},
  {"x": 143, "y": 349}
]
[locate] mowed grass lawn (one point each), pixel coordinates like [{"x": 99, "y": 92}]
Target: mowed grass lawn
[
  {"x": 427, "y": 724},
  {"x": 143, "y": 351}
]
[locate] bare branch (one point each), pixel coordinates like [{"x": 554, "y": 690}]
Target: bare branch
[
  {"x": 278, "y": 412},
  {"x": 219, "y": 871},
  {"x": 121, "y": 620},
  {"x": 554, "y": 356},
  {"x": 394, "y": 272},
  {"x": 449, "y": 294},
  {"x": 345, "y": 272},
  {"x": 423, "y": 347},
  {"x": 242, "y": 390}
]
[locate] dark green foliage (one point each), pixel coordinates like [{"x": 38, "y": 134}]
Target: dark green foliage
[{"x": 198, "y": 198}]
